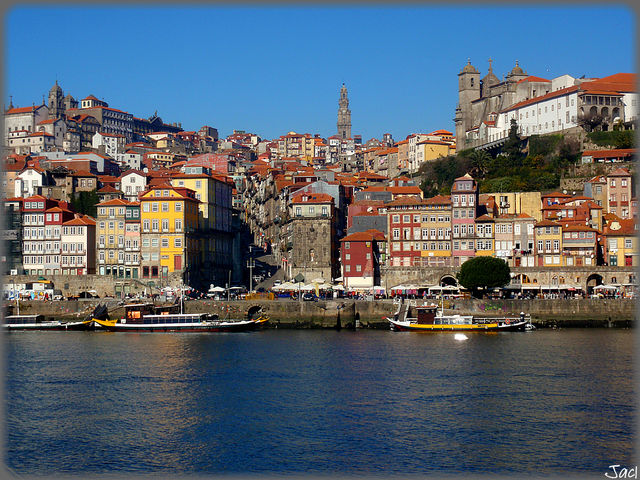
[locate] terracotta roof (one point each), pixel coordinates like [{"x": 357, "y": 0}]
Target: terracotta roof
[
  {"x": 366, "y": 236},
  {"x": 115, "y": 202},
  {"x": 108, "y": 189},
  {"x": 531, "y": 101},
  {"x": 620, "y": 172},
  {"x": 312, "y": 198},
  {"x": 406, "y": 201},
  {"x": 23, "y": 109},
  {"x": 532, "y": 78},
  {"x": 83, "y": 220},
  {"x": 548, "y": 223},
  {"x": 574, "y": 227},
  {"x": 439, "y": 200},
  {"x": 620, "y": 227}
]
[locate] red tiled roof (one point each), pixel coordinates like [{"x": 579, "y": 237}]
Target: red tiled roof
[
  {"x": 366, "y": 236},
  {"x": 312, "y": 198},
  {"x": 114, "y": 202},
  {"x": 620, "y": 172},
  {"x": 83, "y": 220},
  {"x": 23, "y": 109},
  {"x": 108, "y": 189},
  {"x": 532, "y": 78},
  {"x": 617, "y": 152}
]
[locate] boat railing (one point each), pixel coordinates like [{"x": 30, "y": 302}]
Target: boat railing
[{"x": 483, "y": 320}]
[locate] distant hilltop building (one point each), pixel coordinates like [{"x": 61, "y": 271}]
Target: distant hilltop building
[
  {"x": 344, "y": 115},
  {"x": 538, "y": 105}
]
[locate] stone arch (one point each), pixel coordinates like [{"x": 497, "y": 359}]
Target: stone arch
[
  {"x": 593, "y": 280},
  {"x": 448, "y": 279},
  {"x": 554, "y": 280},
  {"x": 615, "y": 113},
  {"x": 593, "y": 111},
  {"x": 522, "y": 278}
]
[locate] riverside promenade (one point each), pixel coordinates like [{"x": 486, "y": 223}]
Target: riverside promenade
[{"x": 347, "y": 313}]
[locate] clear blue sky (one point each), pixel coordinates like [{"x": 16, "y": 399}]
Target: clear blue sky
[{"x": 271, "y": 70}]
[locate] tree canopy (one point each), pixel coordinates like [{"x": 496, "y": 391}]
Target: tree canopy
[
  {"x": 85, "y": 202},
  {"x": 482, "y": 273}
]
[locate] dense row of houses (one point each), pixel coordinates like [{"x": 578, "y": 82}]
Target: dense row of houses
[{"x": 328, "y": 224}]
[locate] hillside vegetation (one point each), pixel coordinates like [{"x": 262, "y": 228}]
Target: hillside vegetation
[{"x": 512, "y": 169}]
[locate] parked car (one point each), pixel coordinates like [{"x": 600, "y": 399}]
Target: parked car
[{"x": 308, "y": 297}]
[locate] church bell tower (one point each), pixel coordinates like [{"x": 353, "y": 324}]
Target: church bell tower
[{"x": 344, "y": 115}]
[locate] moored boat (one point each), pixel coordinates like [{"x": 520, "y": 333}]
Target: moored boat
[
  {"x": 143, "y": 318},
  {"x": 427, "y": 318},
  {"x": 38, "y": 322}
]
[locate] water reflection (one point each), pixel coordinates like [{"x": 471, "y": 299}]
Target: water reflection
[{"x": 319, "y": 402}]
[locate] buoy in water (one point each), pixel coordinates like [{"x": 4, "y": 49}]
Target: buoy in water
[{"x": 460, "y": 336}]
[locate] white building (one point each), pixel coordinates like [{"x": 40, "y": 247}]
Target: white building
[
  {"x": 23, "y": 118},
  {"x": 132, "y": 182},
  {"x": 78, "y": 242},
  {"x": 28, "y": 181},
  {"x": 129, "y": 159},
  {"x": 113, "y": 143}
]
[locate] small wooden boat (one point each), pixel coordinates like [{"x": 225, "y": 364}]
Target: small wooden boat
[{"x": 427, "y": 318}]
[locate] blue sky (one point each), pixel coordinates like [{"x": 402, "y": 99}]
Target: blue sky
[{"x": 273, "y": 69}]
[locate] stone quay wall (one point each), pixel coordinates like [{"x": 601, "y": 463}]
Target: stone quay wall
[{"x": 343, "y": 313}]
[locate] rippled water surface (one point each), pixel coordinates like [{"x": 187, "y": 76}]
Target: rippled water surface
[{"x": 319, "y": 402}]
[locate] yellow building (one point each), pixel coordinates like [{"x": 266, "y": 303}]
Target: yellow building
[
  {"x": 436, "y": 231},
  {"x": 110, "y": 235},
  {"x": 170, "y": 220},
  {"x": 515, "y": 203},
  {"x": 215, "y": 211},
  {"x": 429, "y": 150},
  {"x": 620, "y": 242},
  {"x": 549, "y": 244},
  {"x": 485, "y": 232}
]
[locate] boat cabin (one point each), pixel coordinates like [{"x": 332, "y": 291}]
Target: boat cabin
[
  {"x": 172, "y": 318},
  {"x": 135, "y": 312},
  {"x": 23, "y": 319},
  {"x": 426, "y": 314}
]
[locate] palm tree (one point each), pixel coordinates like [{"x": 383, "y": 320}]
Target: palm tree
[{"x": 480, "y": 162}]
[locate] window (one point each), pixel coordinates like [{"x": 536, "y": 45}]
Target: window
[
  {"x": 406, "y": 218},
  {"x": 165, "y": 206},
  {"x": 395, "y": 218},
  {"x": 396, "y": 234},
  {"x": 178, "y": 225},
  {"x": 358, "y": 268},
  {"x": 347, "y": 256},
  {"x": 178, "y": 206},
  {"x": 177, "y": 242},
  {"x": 145, "y": 207},
  {"x": 154, "y": 206},
  {"x": 154, "y": 224},
  {"x": 145, "y": 225},
  {"x": 165, "y": 224},
  {"x": 347, "y": 245},
  {"x": 164, "y": 243}
]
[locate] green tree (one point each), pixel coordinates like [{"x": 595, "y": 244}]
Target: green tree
[
  {"x": 512, "y": 147},
  {"x": 85, "y": 202},
  {"x": 481, "y": 273}
]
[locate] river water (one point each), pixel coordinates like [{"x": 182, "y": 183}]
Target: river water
[{"x": 319, "y": 402}]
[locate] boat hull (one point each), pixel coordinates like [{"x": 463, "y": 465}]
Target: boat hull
[
  {"x": 241, "y": 326},
  {"x": 55, "y": 326},
  {"x": 516, "y": 326}
]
